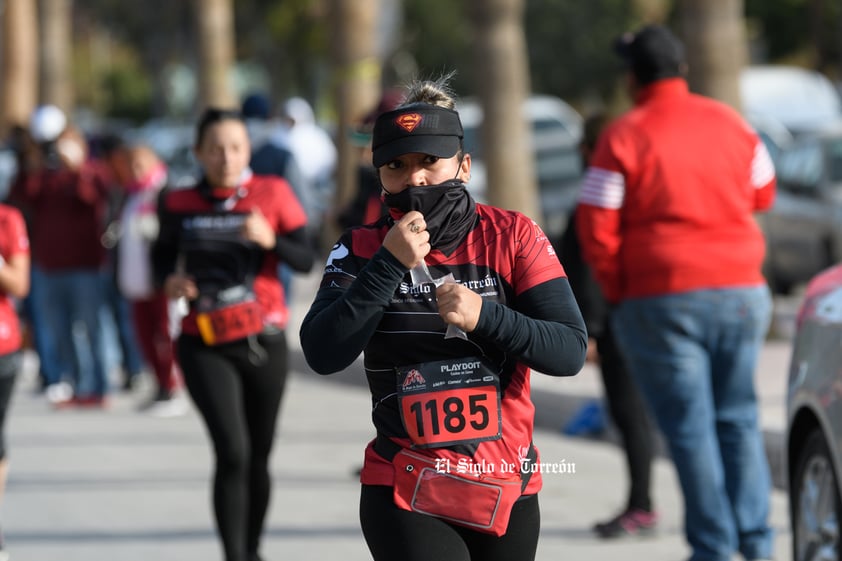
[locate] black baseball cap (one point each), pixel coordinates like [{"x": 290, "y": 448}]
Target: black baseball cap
[
  {"x": 651, "y": 53},
  {"x": 418, "y": 127}
]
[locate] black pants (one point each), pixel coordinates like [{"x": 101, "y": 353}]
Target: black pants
[
  {"x": 239, "y": 396},
  {"x": 10, "y": 365},
  {"x": 630, "y": 416},
  {"x": 394, "y": 534}
]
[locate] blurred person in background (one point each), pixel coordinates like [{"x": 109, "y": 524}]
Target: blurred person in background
[
  {"x": 122, "y": 342},
  {"x": 666, "y": 222},
  {"x": 272, "y": 154},
  {"x": 29, "y": 155},
  {"x": 315, "y": 153},
  {"x": 14, "y": 285},
  {"x": 66, "y": 197},
  {"x": 219, "y": 245},
  {"x": 367, "y": 205},
  {"x": 146, "y": 177},
  {"x": 625, "y": 403}
]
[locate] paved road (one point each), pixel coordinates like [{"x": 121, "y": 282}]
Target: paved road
[{"x": 119, "y": 486}]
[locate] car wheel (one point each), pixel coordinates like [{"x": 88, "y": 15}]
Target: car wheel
[{"x": 816, "y": 507}]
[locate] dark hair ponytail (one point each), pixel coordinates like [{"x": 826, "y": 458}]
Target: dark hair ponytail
[{"x": 212, "y": 116}]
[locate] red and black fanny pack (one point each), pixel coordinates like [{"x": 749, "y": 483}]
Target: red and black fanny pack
[
  {"x": 482, "y": 502},
  {"x": 230, "y": 315},
  {"x": 453, "y": 402}
]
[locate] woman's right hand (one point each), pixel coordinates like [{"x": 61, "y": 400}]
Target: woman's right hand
[
  {"x": 408, "y": 240},
  {"x": 179, "y": 285}
]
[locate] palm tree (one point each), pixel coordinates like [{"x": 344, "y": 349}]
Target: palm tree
[
  {"x": 502, "y": 76},
  {"x": 717, "y": 49},
  {"x": 651, "y": 11},
  {"x": 215, "y": 25},
  {"x": 358, "y": 71},
  {"x": 56, "y": 50},
  {"x": 19, "y": 92}
]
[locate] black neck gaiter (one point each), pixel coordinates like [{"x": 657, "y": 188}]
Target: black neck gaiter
[{"x": 448, "y": 209}]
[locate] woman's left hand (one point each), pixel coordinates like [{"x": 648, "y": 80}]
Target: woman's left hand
[
  {"x": 459, "y": 306},
  {"x": 258, "y": 230}
]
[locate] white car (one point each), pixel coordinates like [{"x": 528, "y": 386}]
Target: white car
[
  {"x": 556, "y": 133},
  {"x": 800, "y": 99}
]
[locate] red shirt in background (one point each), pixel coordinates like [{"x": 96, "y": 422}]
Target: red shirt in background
[
  {"x": 67, "y": 211},
  {"x": 668, "y": 200},
  {"x": 274, "y": 197},
  {"x": 13, "y": 241}
]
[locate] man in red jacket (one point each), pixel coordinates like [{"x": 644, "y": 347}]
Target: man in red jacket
[{"x": 665, "y": 219}]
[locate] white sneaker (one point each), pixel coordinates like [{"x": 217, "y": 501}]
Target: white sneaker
[
  {"x": 166, "y": 408},
  {"x": 60, "y": 392}
]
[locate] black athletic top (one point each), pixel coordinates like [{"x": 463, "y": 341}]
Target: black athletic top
[
  {"x": 529, "y": 320},
  {"x": 201, "y": 233}
]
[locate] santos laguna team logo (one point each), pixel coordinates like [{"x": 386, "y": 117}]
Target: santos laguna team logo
[
  {"x": 412, "y": 378},
  {"x": 409, "y": 121},
  {"x": 338, "y": 253}
]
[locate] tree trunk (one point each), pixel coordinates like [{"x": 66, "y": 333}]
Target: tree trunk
[
  {"x": 215, "y": 26},
  {"x": 56, "y": 54},
  {"x": 358, "y": 87},
  {"x": 19, "y": 91},
  {"x": 503, "y": 85},
  {"x": 823, "y": 43},
  {"x": 652, "y": 11},
  {"x": 717, "y": 49}
]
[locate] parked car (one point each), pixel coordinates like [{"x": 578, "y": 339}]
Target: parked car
[
  {"x": 802, "y": 100},
  {"x": 788, "y": 106},
  {"x": 814, "y": 421},
  {"x": 556, "y": 131},
  {"x": 804, "y": 227},
  {"x": 773, "y": 133}
]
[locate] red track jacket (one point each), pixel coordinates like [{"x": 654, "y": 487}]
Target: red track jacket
[{"x": 668, "y": 199}]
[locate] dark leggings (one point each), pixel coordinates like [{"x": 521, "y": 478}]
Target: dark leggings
[
  {"x": 9, "y": 367},
  {"x": 239, "y": 398},
  {"x": 630, "y": 416},
  {"x": 393, "y": 533}
]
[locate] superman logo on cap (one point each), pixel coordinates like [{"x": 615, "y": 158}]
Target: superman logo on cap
[{"x": 408, "y": 121}]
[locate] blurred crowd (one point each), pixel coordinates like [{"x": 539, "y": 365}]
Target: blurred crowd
[{"x": 94, "y": 316}]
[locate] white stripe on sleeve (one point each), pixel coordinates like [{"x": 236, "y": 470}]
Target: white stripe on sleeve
[
  {"x": 603, "y": 188},
  {"x": 762, "y": 168}
]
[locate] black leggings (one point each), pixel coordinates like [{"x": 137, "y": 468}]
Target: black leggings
[
  {"x": 630, "y": 415},
  {"x": 239, "y": 398},
  {"x": 10, "y": 365},
  {"x": 393, "y": 533}
]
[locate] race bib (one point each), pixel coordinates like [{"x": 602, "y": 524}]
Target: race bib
[
  {"x": 448, "y": 402},
  {"x": 230, "y": 323}
]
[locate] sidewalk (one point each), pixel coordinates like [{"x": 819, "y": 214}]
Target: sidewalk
[
  {"x": 558, "y": 400},
  {"x": 120, "y": 486}
]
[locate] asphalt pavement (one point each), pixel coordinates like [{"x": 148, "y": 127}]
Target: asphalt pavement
[{"x": 117, "y": 485}]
